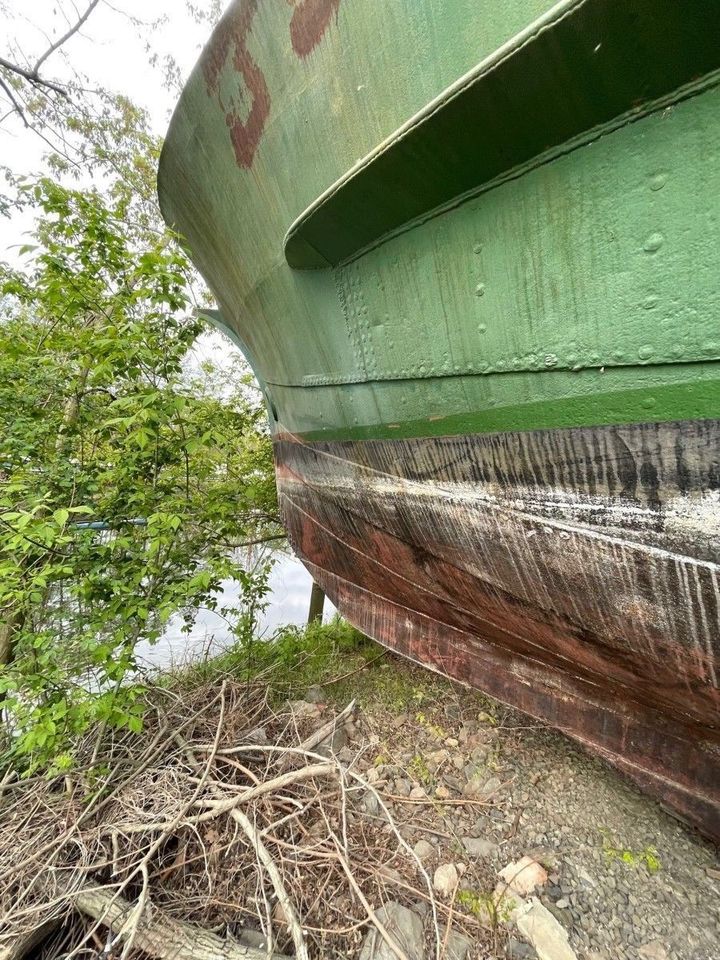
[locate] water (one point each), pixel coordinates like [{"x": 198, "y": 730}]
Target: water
[{"x": 289, "y": 600}]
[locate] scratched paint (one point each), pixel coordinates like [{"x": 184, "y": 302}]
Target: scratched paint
[{"x": 549, "y": 569}]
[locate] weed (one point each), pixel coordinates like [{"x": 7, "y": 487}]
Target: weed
[
  {"x": 419, "y": 769},
  {"x": 648, "y": 856},
  {"x": 486, "y": 907}
]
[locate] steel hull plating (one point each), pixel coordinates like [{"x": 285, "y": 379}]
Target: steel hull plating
[{"x": 572, "y": 574}]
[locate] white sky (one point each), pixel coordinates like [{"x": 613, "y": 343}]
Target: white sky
[{"x": 110, "y": 50}]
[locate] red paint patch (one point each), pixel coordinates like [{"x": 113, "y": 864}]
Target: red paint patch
[
  {"x": 309, "y": 23},
  {"x": 231, "y": 37}
]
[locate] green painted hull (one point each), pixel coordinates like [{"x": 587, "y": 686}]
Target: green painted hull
[{"x": 527, "y": 256}]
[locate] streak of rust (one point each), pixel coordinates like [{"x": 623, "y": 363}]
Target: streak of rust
[
  {"x": 550, "y": 579},
  {"x": 310, "y": 20}
]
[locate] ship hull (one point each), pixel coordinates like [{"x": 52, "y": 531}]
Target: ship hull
[
  {"x": 571, "y": 574},
  {"x": 470, "y": 251}
]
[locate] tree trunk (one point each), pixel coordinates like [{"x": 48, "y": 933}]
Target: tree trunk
[
  {"x": 161, "y": 936},
  {"x": 317, "y": 602}
]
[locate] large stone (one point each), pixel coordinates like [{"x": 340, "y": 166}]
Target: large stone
[
  {"x": 404, "y": 927},
  {"x": 522, "y": 877},
  {"x": 540, "y": 928},
  {"x": 446, "y": 879}
]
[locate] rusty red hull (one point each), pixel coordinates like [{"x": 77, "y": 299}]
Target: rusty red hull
[{"x": 572, "y": 574}]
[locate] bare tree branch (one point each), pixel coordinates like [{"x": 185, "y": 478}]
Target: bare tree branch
[
  {"x": 32, "y": 75},
  {"x": 65, "y": 37}
]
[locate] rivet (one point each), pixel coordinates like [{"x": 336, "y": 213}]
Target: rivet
[
  {"x": 645, "y": 352},
  {"x": 550, "y": 360},
  {"x": 658, "y": 181},
  {"x": 482, "y": 328},
  {"x": 477, "y": 248},
  {"x": 480, "y": 290},
  {"x": 653, "y": 243},
  {"x": 649, "y": 303}
]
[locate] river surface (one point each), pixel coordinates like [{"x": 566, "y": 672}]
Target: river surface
[{"x": 289, "y": 600}]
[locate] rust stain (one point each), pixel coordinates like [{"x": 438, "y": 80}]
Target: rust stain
[
  {"x": 231, "y": 39},
  {"x": 310, "y": 20},
  {"x": 520, "y": 565}
]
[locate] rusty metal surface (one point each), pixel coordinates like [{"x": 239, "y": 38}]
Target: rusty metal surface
[{"x": 570, "y": 573}]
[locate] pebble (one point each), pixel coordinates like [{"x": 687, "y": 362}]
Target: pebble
[
  {"x": 424, "y": 851},
  {"x": 446, "y": 879},
  {"x": 479, "y": 847},
  {"x": 653, "y": 951},
  {"x": 522, "y": 877}
]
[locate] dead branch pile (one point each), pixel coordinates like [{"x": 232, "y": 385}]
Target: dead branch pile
[{"x": 235, "y": 832}]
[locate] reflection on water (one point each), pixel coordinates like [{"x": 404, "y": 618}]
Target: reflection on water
[{"x": 289, "y": 599}]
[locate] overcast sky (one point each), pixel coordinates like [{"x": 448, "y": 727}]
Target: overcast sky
[{"x": 110, "y": 49}]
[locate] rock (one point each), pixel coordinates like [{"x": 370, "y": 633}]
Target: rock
[
  {"x": 279, "y": 914},
  {"x": 565, "y": 917},
  {"x": 373, "y": 775},
  {"x": 713, "y": 874},
  {"x": 370, "y": 803},
  {"x": 405, "y": 928},
  {"x": 458, "y": 946},
  {"x": 436, "y": 758},
  {"x": 258, "y": 736},
  {"x": 402, "y": 788},
  {"x": 351, "y": 730},
  {"x": 446, "y": 879},
  {"x": 452, "y": 742},
  {"x": 520, "y": 951},
  {"x": 563, "y": 903},
  {"x": 390, "y": 873},
  {"x": 522, "y": 877},
  {"x": 479, "y": 847},
  {"x": 303, "y": 710},
  {"x": 540, "y": 928},
  {"x": 654, "y": 950},
  {"x": 481, "y": 786},
  {"x": 315, "y": 695},
  {"x": 424, "y": 851},
  {"x": 418, "y": 793},
  {"x": 442, "y": 793},
  {"x": 333, "y": 744}
]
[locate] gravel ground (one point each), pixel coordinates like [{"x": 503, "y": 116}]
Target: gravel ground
[{"x": 625, "y": 879}]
